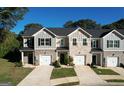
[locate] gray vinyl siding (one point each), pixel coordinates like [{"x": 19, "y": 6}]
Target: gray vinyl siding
[
  {"x": 43, "y": 34},
  {"x": 113, "y": 36}
]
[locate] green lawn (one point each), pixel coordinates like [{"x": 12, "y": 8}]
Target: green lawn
[
  {"x": 115, "y": 80},
  {"x": 12, "y": 74},
  {"x": 62, "y": 72},
  {"x": 104, "y": 71}
]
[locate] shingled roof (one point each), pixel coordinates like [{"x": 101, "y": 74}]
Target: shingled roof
[
  {"x": 96, "y": 33},
  {"x": 62, "y": 31}
]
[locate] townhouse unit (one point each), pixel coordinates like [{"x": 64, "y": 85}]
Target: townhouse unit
[{"x": 102, "y": 47}]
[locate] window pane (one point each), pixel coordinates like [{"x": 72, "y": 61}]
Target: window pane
[
  {"x": 74, "y": 41},
  {"x": 48, "y": 42},
  {"x": 42, "y": 41},
  {"x": 111, "y": 43},
  {"x": 116, "y": 44},
  {"x": 84, "y": 41},
  {"x": 107, "y": 43},
  {"x": 62, "y": 42},
  {"x": 94, "y": 43}
]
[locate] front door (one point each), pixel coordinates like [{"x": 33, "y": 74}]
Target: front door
[
  {"x": 30, "y": 58},
  {"x": 62, "y": 58},
  {"x": 94, "y": 59}
]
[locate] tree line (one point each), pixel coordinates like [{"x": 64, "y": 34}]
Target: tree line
[{"x": 92, "y": 24}]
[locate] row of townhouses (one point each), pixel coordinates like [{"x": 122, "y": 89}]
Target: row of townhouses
[{"x": 102, "y": 47}]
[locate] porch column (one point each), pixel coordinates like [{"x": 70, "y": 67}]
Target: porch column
[
  {"x": 101, "y": 59},
  {"x": 33, "y": 59},
  {"x": 57, "y": 55},
  {"x": 22, "y": 57}
]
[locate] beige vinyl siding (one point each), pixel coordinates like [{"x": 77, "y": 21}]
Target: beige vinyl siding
[
  {"x": 44, "y": 35},
  {"x": 80, "y": 49}
]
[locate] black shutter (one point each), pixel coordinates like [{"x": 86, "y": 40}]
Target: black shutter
[{"x": 38, "y": 41}]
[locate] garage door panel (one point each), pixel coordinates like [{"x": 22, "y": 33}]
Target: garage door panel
[
  {"x": 79, "y": 60},
  {"x": 112, "y": 61},
  {"x": 45, "y": 60}
]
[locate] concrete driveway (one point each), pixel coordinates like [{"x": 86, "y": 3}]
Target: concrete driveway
[
  {"x": 88, "y": 77},
  {"x": 119, "y": 70},
  {"x": 40, "y": 76}
]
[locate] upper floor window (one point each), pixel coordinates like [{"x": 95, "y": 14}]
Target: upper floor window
[
  {"x": 94, "y": 43},
  {"x": 62, "y": 42},
  {"x": 48, "y": 41},
  {"x": 74, "y": 41},
  {"x": 109, "y": 43},
  {"x": 84, "y": 41},
  {"x": 116, "y": 43},
  {"x": 113, "y": 43},
  {"x": 42, "y": 41}
]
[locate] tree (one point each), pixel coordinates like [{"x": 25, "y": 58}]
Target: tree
[
  {"x": 9, "y": 16},
  {"x": 9, "y": 43},
  {"x": 84, "y": 23},
  {"x": 69, "y": 24},
  {"x": 115, "y": 25},
  {"x": 30, "y": 26}
]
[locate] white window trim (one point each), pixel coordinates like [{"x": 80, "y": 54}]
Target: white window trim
[
  {"x": 62, "y": 42},
  {"x": 44, "y": 42},
  {"x": 73, "y": 41},
  {"x": 113, "y": 44},
  {"x": 85, "y": 42}
]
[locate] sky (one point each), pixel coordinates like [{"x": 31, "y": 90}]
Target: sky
[{"x": 57, "y": 16}]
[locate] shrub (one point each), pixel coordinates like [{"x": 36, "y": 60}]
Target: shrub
[
  {"x": 71, "y": 61},
  {"x": 92, "y": 65},
  {"x": 66, "y": 59},
  {"x": 88, "y": 64},
  {"x": 56, "y": 64},
  {"x": 18, "y": 64},
  {"x": 122, "y": 65}
]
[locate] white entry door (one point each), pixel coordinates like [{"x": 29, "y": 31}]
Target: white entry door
[
  {"x": 79, "y": 60},
  {"x": 112, "y": 61},
  {"x": 45, "y": 60}
]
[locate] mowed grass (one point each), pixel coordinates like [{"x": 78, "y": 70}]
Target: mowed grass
[
  {"x": 104, "y": 71},
  {"x": 63, "y": 72},
  {"x": 115, "y": 80},
  {"x": 12, "y": 74}
]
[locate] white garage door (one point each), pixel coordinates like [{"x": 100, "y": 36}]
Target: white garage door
[
  {"x": 45, "y": 60},
  {"x": 112, "y": 61},
  {"x": 79, "y": 60}
]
